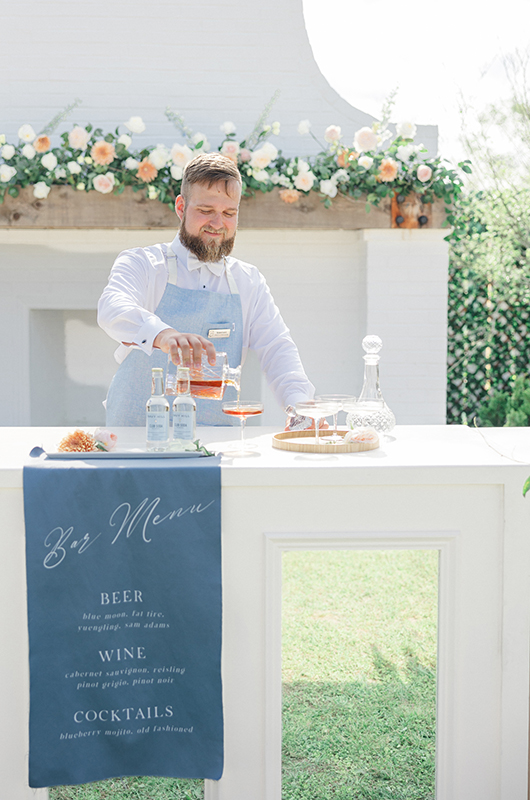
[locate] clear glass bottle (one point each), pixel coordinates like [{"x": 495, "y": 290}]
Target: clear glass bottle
[
  {"x": 370, "y": 410},
  {"x": 157, "y": 414},
  {"x": 184, "y": 410}
]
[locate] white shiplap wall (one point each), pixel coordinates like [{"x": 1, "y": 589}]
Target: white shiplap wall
[{"x": 210, "y": 60}]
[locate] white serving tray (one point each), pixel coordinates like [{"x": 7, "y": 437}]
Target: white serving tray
[{"x": 133, "y": 453}]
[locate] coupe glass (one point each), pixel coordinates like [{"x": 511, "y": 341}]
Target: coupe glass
[
  {"x": 336, "y": 402},
  {"x": 241, "y": 410},
  {"x": 317, "y": 410}
]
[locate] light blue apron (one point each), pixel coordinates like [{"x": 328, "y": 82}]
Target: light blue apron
[{"x": 190, "y": 311}]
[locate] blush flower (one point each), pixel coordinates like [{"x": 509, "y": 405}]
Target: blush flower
[
  {"x": 105, "y": 438},
  {"x": 332, "y": 133},
  {"x": 388, "y": 170},
  {"x": 245, "y": 155},
  {"x": 103, "y": 153},
  {"x": 304, "y": 180},
  {"x": 365, "y": 140},
  {"x": 78, "y": 138},
  {"x": 104, "y": 183},
  {"x": 181, "y": 154},
  {"x": 289, "y": 195},
  {"x": 42, "y": 144},
  {"x": 230, "y": 149},
  {"x": 260, "y": 158},
  {"x": 147, "y": 172},
  {"x": 424, "y": 173}
]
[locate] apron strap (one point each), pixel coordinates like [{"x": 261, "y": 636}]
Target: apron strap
[{"x": 172, "y": 270}]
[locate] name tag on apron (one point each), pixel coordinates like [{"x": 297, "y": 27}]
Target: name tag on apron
[{"x": 218, "y": 333}]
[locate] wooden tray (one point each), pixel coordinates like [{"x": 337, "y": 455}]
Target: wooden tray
[{"x": 294, "y": 440}]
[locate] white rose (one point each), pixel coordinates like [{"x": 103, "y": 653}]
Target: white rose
[
  {"x": 176, "y": 172},
  {"x": 159, "y": 156},
  {"x": 261, "y": 175},
  {"x": 304, "y": 126},
  {"x": 2, "y": 138},
  {"x": 60, "y": 173},
  {"x": 366, "y": 162},
  {"x": 303, "y": 166},
  {"x": 304, "y": 181},
  {"x": 227, "y": 128},
  {"x": 125, "y": 140},
  {"x": 74, "y": 167},
  {"x": 329, "y": 188},
  {"x": 181, "y": 154},
  {"x": 28, "y": 151},
  {"x": 407, "y": 130},
  {"x": 276, "y": 128},
  {"x": 135, "y": 125},
  {"x": 405, "y": 151},
  {"x": 260, "y": 158},
  {"x": 49, "y": 161},
  {"x": 201, "y": 137},
  {"x": 131, "y": 163},
  {"x": 332, "y": 133},
  {"x": 26, "y": 133},
  {"x": 8, "y": 151},
  {"x": 365, "y": 140},
  {"x": 340, "y": 175},
  {"x": 275, "y": 178},
  {"x": 271, "y": 150},
  {"x": 41, "y": 190},
  {"x": 6, "y": 173}
]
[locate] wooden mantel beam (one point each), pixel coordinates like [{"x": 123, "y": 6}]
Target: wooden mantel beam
[{"x": 67, "y": 208}]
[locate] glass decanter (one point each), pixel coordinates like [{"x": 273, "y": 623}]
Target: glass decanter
[{"x": 370, "y": 410}]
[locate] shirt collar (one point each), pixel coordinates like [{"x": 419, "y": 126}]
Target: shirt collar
[{"x": 191, "y": 262}]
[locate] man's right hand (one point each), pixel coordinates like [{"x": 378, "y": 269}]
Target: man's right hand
[{"x": 191, "y": 346}]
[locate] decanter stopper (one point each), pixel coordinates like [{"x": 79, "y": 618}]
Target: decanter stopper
[{"x": 370, "y": 410}]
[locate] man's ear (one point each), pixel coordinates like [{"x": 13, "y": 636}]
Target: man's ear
[{"x": 179, "y": 206}]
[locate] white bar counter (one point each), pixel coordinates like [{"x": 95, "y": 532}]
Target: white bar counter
[{"x": 453, "y": 489}]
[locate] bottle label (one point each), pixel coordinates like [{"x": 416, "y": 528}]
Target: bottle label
[
  {"x": 183, "y": 427},
  {"x": 157, "y": 426}
]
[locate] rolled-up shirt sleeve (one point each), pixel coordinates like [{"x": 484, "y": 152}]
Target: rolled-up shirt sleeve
[
  {"x": 126, "y": 307},
  {"x": 278, "y": 355}
]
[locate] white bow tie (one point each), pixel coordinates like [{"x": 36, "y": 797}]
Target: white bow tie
[{"x": 216, "y": 267}]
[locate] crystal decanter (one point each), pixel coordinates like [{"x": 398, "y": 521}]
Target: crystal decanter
[{"x": 370, "y": 410}]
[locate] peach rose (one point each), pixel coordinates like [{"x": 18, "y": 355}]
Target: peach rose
[
  {"x": 42, "y": 144},
  {"x": 245, "y": 155},
  {"x": 78, "y": 138},
  {"x": 103, "y": 152},
  {"x": 289, "y": 195},
  {"x": 304, "y": 181},
  {"x": 230, "y": 149},
  {"x": 345, "y": 157},
  {"x": 104, "y": 183},
  {"x": 424, "y": 173},
  {"x": 388, "y": 170},
  {"x": 146, "y": 171}
]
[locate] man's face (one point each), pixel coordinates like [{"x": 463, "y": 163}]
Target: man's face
[{"x": 209, "y": 219}]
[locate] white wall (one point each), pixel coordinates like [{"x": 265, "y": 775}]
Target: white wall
[
  {"x": 212, "y": 61},
  {"x": 332, "y": 287}
]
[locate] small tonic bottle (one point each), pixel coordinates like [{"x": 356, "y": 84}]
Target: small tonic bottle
[
  {"x": 184, "y": 410},
  {"x": 157, "y": 414}
]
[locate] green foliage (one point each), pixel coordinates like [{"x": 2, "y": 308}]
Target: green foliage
[{"x": 508, "y": 410}]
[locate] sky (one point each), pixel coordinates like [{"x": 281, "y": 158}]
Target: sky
[{"x": 435, "y": 53}]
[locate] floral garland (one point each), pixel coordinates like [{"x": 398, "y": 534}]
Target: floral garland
[{"x": 377, "y": 164}]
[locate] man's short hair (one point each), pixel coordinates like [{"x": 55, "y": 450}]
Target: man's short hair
[{"x": 208, "y": 169}]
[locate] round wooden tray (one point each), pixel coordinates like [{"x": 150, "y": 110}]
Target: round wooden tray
[{"x": 294, "y": 440}]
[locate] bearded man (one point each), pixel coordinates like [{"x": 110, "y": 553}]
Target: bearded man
[{"x": 191, "y": 295}]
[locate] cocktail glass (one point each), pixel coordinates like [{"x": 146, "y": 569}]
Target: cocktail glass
[
  {"x": 242, "y": 410},
  {"x": 317, "y": 410},
  {"x": 337, "y": 402}
]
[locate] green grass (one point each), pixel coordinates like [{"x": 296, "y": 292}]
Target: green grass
[
  {"x": 359, "y": 669},
  {"x": 359, "y": 665}
]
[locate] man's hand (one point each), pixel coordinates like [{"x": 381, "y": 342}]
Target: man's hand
[{"x": 191, "y": 345}]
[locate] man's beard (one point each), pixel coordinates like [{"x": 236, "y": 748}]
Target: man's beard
[{"x": 210, "y": 251}]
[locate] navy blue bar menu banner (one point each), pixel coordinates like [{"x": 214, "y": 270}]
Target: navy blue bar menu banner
[{"x": 124, "y": 613}]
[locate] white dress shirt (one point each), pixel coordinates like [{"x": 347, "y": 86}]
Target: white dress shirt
[{"x": 126, "y": 311}]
